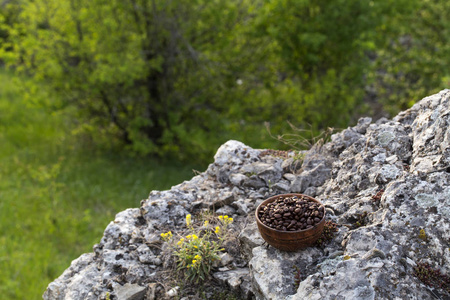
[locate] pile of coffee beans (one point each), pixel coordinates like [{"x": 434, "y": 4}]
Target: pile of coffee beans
[{"x": 291, "y": 213}]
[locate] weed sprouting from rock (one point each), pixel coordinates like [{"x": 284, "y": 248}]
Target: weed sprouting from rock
[
  {"x": 297, "y": 276},
  {"x": 328, "y": 233},
  {"x": 432, "y": 276}
]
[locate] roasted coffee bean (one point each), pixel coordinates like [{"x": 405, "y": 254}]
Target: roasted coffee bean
[{"x": 291, "y": 213}]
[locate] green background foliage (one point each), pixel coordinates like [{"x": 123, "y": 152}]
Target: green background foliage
[{"x": 102, "y": 101}]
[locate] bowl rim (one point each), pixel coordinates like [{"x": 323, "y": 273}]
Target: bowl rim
[{"x": 273, "y": 198}]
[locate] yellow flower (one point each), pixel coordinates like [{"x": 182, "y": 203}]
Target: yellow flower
[
  {"x": 166, "y": 236},
  {"x": 194, "y": 261},
  {"x": 194, "y": 237},
  {"x": 225, "y": 217},
  {"x": 230, "y": 220},
  {"x": 198, "y": 257},
  {"x": 180, "y": 242},
  {"x": 217, "y": 229},
  {"x": 206, "y": 223},
  {"x": 220, "y": 217},
  {"x": 189, "y": 237},
  {"x": 188, "y": 219}
]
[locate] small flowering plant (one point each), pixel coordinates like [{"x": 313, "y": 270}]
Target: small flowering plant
[{"x": 197, "y": 251}]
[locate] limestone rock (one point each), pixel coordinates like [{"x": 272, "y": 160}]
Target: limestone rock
[
  {"x": 130, "y": 292},
  {"x": 386, "y": 184}
]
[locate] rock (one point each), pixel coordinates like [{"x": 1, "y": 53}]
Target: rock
[
  {"x": 386, "y": 184},
  {"x": 225, "y": 259},
  {"x": 272, "y": 271},
  {"x": 282, "y": 187},
  {"x": 289, "y": 176},
  {"x": 173, "y": 292},
  {"x": 237, "y": 179},
  {"x": 234, "y": 152},
  {"x": 221, "y": 199},
  {"x": 250, "y": 238},
  {"x": 226, "y": 211},
  {"x": 130, "y": 292},
  {"x": 237, "y": 280},
  {"x": 243, "y": 207},
  {"x": 255, "y": 182},
  {"x": 292, "y": 164}
]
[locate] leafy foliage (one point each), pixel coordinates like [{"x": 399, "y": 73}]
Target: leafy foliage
[
  {"x": 181, "y": 77},
  {"x": 140, "y": 70},
  {"x": 412, "y": 60}
]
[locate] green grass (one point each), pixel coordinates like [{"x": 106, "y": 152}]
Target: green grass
[{"x": 57, "y": 195}]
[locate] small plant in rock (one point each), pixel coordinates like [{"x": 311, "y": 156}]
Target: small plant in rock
[
  {"x": 358, "y": 220},
  {"x": 297, "y": 276},
  {"x": 328, "y": 233},
  {"x": 432, "y": 277},
  {"x": 197, "y": 250},
  {"x": 303, "y": 138},
  {"x": 377, "y": 197},
  {"x": 423, "y": 235}
]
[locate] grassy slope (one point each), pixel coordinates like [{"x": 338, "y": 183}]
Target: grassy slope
[{"x": 57, "y": 198}]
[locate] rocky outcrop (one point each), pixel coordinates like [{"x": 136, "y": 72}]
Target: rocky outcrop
[{"x": 386, "y": 185}]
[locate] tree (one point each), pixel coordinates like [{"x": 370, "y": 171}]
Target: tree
[
  {"x": 413, "y": 56},
  {"x": 150, "y": 72},
  {"x": 321, "y": 48}
]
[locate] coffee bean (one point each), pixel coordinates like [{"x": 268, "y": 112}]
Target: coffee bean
[{"x": 291, "y": 213}]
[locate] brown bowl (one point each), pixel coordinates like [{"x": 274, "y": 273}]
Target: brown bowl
[{"x": 289, "y": 240}]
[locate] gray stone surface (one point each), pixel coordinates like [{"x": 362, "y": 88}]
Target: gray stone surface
[
  {"x": 406, "y": 161},
  {"x": 130, "y": 292}
]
